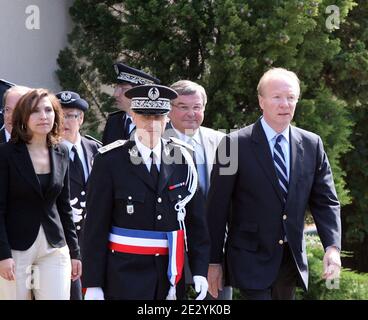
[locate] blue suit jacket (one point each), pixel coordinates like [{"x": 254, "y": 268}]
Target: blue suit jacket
[{"x": 250, "y": 201}]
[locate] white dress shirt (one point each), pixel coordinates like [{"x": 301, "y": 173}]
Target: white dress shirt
[{"x": 146, "y": 153}]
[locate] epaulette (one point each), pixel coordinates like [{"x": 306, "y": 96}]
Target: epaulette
[
  {"x": 181, "y": 143},
  {"x": 112, "y": 145},
  {"x": 93, "y": 139}
]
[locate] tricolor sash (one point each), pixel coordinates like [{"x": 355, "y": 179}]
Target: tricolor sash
[{"x": 151, "y": 243}]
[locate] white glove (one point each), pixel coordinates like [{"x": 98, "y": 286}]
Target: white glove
[
  {"x": 200, "y": 286},
  {"x": 94, "y": 293}
]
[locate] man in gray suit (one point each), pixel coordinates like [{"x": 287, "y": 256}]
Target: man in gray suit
[
  {"x": 186, "y": 117},
  {"x": 282, "y": 170}
]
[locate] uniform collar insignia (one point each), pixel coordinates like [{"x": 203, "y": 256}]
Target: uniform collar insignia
[
  {"x": 133, "y": 152},
  {"x": 166, "y": 150}
]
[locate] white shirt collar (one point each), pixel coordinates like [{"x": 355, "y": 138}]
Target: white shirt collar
[
  {"x": 146, "y": 152},
  {"x": 78, "y": 144},
  {"x": 271, "y": 134}
]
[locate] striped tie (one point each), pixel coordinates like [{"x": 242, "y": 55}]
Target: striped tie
[{"x": 280, "y": 165}]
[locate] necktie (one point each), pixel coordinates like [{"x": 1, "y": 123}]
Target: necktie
[
  {"x": 77, "y": 163},
  {"x": 154, "y": 171},
  {"x": 127, "y": 127},
  {"x": 280, "y": 165}
]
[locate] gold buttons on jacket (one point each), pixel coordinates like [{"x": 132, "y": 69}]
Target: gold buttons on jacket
[{"x": 281, "y": 241}]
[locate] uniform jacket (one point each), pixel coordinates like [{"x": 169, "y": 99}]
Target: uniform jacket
[
  {"x": 251, "y": 201},
  {"x": 114, "y": 179},
  {"x": 77, "y": 187},
  {"x": 23, "y": 206},
  {"x": 115, "y": 128}
]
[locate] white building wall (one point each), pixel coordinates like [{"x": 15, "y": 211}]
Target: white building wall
[{"x": 28, "y": 56}]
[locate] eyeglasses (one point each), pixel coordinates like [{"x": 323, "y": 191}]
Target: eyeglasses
[
  {"x": 71, "y": 116},
  {"x": 184, "y": 109}
]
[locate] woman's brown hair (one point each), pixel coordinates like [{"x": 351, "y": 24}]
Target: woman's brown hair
[{"x": 23, "y": 110}]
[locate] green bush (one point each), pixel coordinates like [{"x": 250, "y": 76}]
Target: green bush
[{"x": 351, "y": 285}]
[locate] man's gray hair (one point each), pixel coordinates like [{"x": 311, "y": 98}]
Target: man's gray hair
[
  {"x": 187, "y": 87},
  {"x": 21, "y": 90}
]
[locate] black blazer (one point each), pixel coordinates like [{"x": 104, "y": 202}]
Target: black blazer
[
  {"x": 250, "y": 200},
  {"x": 117, "y": 181},
  {"x": 115, "y": 128},
  {"x": 23, "y": 206}
]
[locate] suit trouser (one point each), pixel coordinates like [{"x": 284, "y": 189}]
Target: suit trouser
[
  {"x": 42, "y": 270},
  {"x": 283, "y": 288}
]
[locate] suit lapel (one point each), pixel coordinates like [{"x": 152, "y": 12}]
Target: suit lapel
[
  {"x": 56, "y": 157},
  {"x": 209, "y": 146},
  {"x": 297, "y": 155},
  {"x": 88, "y": 155},
  {"x": 263, "y": 154},
  {"x": 23, "y": 162}
]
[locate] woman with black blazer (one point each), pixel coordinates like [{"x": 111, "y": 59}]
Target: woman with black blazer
[{"x": 39, "y": 250}]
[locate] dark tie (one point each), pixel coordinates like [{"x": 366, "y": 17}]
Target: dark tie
[
  {"x": 77, "y": 163},
  {"x": 154, "y": 171},
  {"x": 280, "y": 165},
  {"x": 127, "y": 127}
]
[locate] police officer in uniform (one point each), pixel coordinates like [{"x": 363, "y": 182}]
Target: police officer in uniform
[
  {"x": 119, "y": 124},
  {"x": 144, "y": 211},
  {"x": 82, "y": 150}
]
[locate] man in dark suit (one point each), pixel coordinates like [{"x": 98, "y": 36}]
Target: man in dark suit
[
  {"x": 10, "y": 100},
  {"x": 143, "y": 211},
  {"x": 119, "y": 124},
  {"x": 281, "y": 170},
  {"x": 82, "y": 150}
]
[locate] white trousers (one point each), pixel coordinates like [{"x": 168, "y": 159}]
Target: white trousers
[{"x": 41, "y": 270}]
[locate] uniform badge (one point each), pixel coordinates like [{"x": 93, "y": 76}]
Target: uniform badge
[
  {"x": 167, "y": 151},
  {"x": 133, "y": 152},
  {"x": 130, "y": 206},
  {"x": 130, "y": 209}
]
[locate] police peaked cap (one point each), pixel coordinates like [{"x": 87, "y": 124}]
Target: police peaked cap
[
  {"x": 70, "y": 99},
  {"x": 4, "y": 85},
  {"x": 151, "y": 99},
  {"x": 132, "y": 76}
]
